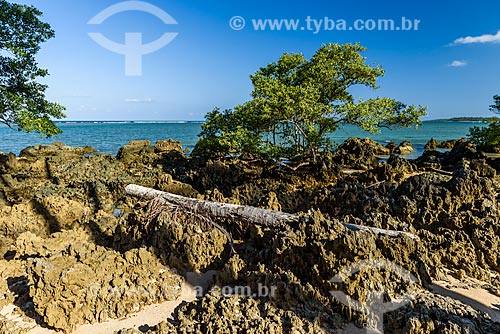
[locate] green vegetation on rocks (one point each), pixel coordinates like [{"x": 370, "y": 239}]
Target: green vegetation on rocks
[
  {"x": 488, "y": 136},
  {"x": 296, "y": 102}
]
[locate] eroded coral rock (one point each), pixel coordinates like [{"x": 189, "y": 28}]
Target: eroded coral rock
[
  {"x": 431, "y": 145},
  {"x": 20, "y": 218},
  {"x": 360, "y": 153},
  {"x": 404, "y": 148},
  {"x": 216, "y": 313},
  {"x": 434, "y": 314},
  {"x": 179, "y": 238},
  {"x": 56, "y": 149},
  {"x": 80, "y": 282}
]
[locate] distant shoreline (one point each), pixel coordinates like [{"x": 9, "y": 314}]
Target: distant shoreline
[
  {"x": 127, "y": 122},
  {"x": 453, "y": 119},
  {"x": 463, "y": 119},
  {"x": 109, "y": 136}
]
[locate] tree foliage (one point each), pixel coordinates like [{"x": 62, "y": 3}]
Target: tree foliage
[
  {"x": 296, "y": 102},
  {"x": 490, "y": 135},
  {"x": 22, "y": 98}
]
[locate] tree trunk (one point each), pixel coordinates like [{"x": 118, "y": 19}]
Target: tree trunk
[
  {"x": 242, "y": 213},
  {"x": 224, "y": 210}
]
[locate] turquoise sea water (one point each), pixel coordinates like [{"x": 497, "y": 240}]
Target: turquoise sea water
[{"x": 108, "y": 137}]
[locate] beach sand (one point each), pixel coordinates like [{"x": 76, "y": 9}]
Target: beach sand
[
  {"x": 150, "y": 316},
  {"x": 468, "y": 292},
  {"x": 464, "y": 291}
]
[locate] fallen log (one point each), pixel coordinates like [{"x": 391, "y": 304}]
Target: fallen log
[
  {"x": 242, "y": 213},
  {"x": 440, "y": 171},
  {"x": 376, "y": 230}
]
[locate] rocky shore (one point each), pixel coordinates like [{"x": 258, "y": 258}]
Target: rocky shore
[{"x": 77, "y": 250}]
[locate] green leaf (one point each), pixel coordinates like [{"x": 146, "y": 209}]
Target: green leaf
[
  {"x": 22, "y": 98},
  {"x": 296, "y": 102}
]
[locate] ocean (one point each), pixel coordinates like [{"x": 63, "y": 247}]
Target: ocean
[{"x": 108, "y": 137}]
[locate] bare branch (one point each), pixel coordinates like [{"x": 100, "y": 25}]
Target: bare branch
[{"x": 242, "y": 213}]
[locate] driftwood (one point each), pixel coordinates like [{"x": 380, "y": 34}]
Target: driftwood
[
  {"x": 293, "y": 168},
  {"x": 440, "y": 171},
  {"x": 375, "y": 184},
  {"x": 158, "y": 205},
  {"x": 242, "y": 213},
  {"x": 391, "y": 233}
]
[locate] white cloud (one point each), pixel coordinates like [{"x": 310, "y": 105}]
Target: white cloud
[
  {"x": 458, "y": 63},
  {"x": 478, "y": 39},
  {"x": 149, "y": 100}
]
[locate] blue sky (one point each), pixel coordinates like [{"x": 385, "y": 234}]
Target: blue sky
[{"x": 208, "y": 64}]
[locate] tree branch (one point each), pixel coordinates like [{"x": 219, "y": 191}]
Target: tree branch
[{"x": 242, "y": 213}]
